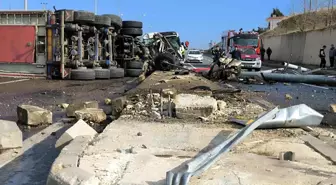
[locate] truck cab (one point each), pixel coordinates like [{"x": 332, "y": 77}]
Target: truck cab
[{"x": 249, "y": 45}]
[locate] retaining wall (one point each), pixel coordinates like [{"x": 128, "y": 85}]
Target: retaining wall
[{"x": 304, "y": 47}]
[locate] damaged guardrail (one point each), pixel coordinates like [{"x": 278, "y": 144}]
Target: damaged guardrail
[
  {"x": 202, "y": 162},
  {"x": 296, "y": 116}
]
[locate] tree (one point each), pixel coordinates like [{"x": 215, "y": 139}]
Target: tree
[{"x": 276, "y": 12}]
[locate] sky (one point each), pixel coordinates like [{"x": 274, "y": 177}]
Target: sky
[{"x": 196, "y": 21}]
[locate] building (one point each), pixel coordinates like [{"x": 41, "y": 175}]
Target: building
[{"x": 273, "y": 21}]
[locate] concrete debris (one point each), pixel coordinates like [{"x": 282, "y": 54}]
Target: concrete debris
[
  {"x": 169, "y": 92},
  {"x": 204, "y": 119},
  {"x": 333, "y": 108},
  {"x": 221, "y": 105},
  {"x": 10, "y": 135},
  {"x": 164, "y": 81},
  {"x": 330, "y": 181},
  {"x": 78, "y": 129},
  {"x": 127, "y": 151},
  {"x": 107, "y": 101},
  {"x": 287, "y": 156},
  {"x": 288, "y": 97},
  {"x": 156, "y": 115},
  {"x": 72, "y": 108},
  {"x": 194, "y": 106},
  {"x": 91, "y": 115},
  {"x": 63, "y": 105},
  {"x": 118, "y": 105},
  {"x": 139, "y": 134},
  {"x": 33, "y": 115}
]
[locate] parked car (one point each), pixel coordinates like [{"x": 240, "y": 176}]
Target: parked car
[{"x": 195, "y": 56}]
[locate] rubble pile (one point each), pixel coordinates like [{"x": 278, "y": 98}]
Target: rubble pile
[{"x": 170, "y": 104}]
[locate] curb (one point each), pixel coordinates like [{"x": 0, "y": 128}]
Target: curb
[{"x": 65, "y": 168}]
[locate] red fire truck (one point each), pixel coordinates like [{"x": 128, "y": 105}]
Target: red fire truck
[{"x": 248, "y": 43}]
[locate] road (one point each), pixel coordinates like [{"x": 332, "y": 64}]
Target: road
[{"x": 32, "y": 167}]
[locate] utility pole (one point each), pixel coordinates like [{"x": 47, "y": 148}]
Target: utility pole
[
  {"x": 96, "y": 6},
  {"x": 304, "y": 6},
  {"x": 25, "y": 5},
  {"x": 310, "y": 5}
]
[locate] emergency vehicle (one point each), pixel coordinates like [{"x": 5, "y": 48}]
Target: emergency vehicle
[{"x": 248, "y": 43}]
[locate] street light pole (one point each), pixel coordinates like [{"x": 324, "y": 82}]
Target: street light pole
[{"x": 96, "y": 6}]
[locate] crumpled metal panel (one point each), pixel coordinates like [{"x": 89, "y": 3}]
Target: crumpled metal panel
[{"x": 293, "y": 117}]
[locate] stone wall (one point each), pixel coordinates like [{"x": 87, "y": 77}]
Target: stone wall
[{"x": 300, "y": 48}]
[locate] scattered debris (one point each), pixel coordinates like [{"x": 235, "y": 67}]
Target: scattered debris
[
  {"x": 72, "y": 108},
  {"x": 79, "y": 129},
  {"x": 288, "y": 97},
  {"x": 221, "y": 105},
  {"x": 33, "y": 115},
  {"x": 204, "y": 119},
  {"x": 63, "y": 105},
  {"x": 139, "y": 134},
  {"x": 91, "y": 115},
  {"x": 163, "y": 81},
  {"x": 107, "y": 101},
  {"x": 10, "y": 135},
  {"x": 118, "y": 105}
]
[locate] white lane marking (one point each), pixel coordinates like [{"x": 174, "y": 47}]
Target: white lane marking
[{"x": 13, "y": 81}]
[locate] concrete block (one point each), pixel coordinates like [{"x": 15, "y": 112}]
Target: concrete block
[
  {"x": 78, "y": 129},
  {"x": 91, "y": 114},
  {"x": 10, "y": 135},
  {"x": 72, "y": 176},
  {"x": 194, "y": 106},
  {"x": 33, "y": 115},
  {"x": 72, "y": 108},
  {"x": 118, "y": 105}
]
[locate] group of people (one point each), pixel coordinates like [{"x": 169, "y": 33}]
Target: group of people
[
  {"x": 332, "y": 55},
  {"x": 268, "y": 52}
]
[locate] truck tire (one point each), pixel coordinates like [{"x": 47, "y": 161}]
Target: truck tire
[
  {"x": 131, "y": 31},
  {"x": 117, "y": 72},
  {"x": 116, "y": 21},
  {"x": 102, "y": 73},
  {"x": 102, "y": 20},
  {"x": 159, "y": 65},
  {"x": 132, "y": 24},
  {"x": 84, "y": 17},
  {"x": 135, "y": 64},
  {"x": 133, "y": 72},
  {"x": 86, "y": 74}
]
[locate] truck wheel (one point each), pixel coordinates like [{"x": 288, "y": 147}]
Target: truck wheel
[
  {"x": 134, "y": 72},
  {"x": 131, "y": 31},
  {"x": 117, "y": 72},
  {"x": 84, "y": 17},
  {"x": 164, "y": 57},
  {"x": 135, "y": 64},
  {"x": 132, "y": 24},
  {"x": 116, "y": 21},
  {"x": 102, "y": 20},
  {"x": 80, "y": 74},
  {"x": 102, "y": 73}
]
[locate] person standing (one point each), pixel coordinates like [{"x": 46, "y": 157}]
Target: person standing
[
  {"x": 262, "y": 53},
  {"x": 322, "y": 56},
  {"x": 332, "y": 53},
  {"x": 236, "y": 54},
  {"x": 269, "y": 53}
]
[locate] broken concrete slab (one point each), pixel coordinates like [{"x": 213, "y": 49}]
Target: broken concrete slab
[
  {"x": 72, "y": 176},
  {"x": 10, "y": 135},
  {"x": 91, "y": 115},
  {"x": 118, "y": 105},
  {"x": 33, "y": 115},
  {"x": 78, "y": 129},
  {"x": 194, "y": 106},
  {"x": 72, "y": 108},
  {"x": 319, "y": 146}
]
